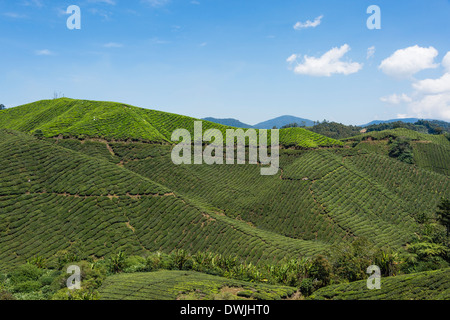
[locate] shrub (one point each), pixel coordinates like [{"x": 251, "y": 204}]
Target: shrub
[
  {"x": 38, "y": 261},
  {"x": 117, "y": 262},
  {"x": 27, "y": 286},
  {"x": 321, "y": 270},
  {"x": 307, "y": 287},
  {"x": 26, "y": 272},
  {"x": 81, "y": 294},
  {"x": 38, "y": 134}
]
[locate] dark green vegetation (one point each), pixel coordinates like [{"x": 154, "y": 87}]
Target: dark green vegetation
[
  {"x": 422, "y": 126},
  {"x": 335, "y": 130},
  {"x": 428, "y": 285},
  {"x": 88, "y": 179}
]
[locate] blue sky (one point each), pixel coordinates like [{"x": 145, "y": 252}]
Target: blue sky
[{"x": 245, "y": 59}]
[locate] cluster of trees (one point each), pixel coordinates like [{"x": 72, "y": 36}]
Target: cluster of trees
[
  {"x": 2, "y": 107},
  {"x": 329, "y": 129},
  {"x": 401, "y": 149},
  {"x": 423, "y": 126},
  {"x": 335, "y": 130}
]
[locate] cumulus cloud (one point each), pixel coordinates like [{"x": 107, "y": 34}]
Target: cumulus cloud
[
  {"x": 308, "y": 24},
  {"x": 434, "y": 86},
  {"x": 326, "y": 65},
  {"x": 432, "y": 106},
  {"x": 406, "y": 62},
  {"x": 396, "y": 99},
  {"x": 430, "y": 98},
  {"x": 446, "y": 62}
]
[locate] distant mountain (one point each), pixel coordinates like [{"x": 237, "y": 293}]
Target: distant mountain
[
  {"x": 282, "y": 121},
  {"x": 406, "y": 120},
  {"x": 228, "y": 122}
]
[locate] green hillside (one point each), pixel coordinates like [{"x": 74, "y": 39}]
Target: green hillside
[
  {"x": 53, "y": 199},
  {"x": 172, "y": 285},
  {"x": 101, "y": 180},
  {"x": 116, "y": 121},
  {"x": 430, "y": 285},
  {"x": 429, "y": 151}
]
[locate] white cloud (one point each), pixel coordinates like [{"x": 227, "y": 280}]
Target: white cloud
[
  {"x": 370, "y": 52},
  {"x": 292, "y": 58},
  {"x": 14, "y": 15},
  {"x": 44, "y": 52},
  {"x": 446, "y": 62},
  {"x": 110, "y": 2},
  {"x": 433, "y": 86},
  {"x": 328, "y": 64},
  {"x": 308, "y": 24},
  {"x": 396, "y": 99},
  {"x": 432, "y": 106},
  {"x": 156, "y": 3},
  {"x": 113, "y": 45},
  {"x": 408, "y": 61}
]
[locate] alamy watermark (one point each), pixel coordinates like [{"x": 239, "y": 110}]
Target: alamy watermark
[
  {"x": 374, "y": 281},
  {"x": 74, "y": 281},
  {"x": 213, "y": 153},
  {"x": 74, "y": 21}
]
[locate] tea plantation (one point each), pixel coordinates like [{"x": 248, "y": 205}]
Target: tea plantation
[
  {"x": 429, "y": 285},
  {"x": 96, "y": 178}
]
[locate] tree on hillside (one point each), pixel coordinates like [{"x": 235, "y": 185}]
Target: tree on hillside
[
  {"x": 443, "y": 214},
  {"x": 401, "y": 149},
  {"x": 2, "y": 107}
]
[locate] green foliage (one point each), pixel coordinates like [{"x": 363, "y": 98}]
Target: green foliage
[
  {"x": 401, "y": 149},
  {"x": 443, "y": 214},
  {"x": 26, "y": 272},
  {"x": 335, "y": 130},
  {"x": 117, "y": 262},
  {"x": 38, "y": 261},
  {"x": 80, "y": 294},
  {"x": 38, "y": 134},
  {"x": 27, "y": 286},
  {"x": 320, "y": 270},
  {"x": 350, "y": 262},
  {"x": 307, "y": 287}
]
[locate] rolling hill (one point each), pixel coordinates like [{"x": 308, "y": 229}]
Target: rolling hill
[
  {"x": 282, "y": 121},
  {"x": 66, "y": 117},
  {"x": 228, "y": 122}
]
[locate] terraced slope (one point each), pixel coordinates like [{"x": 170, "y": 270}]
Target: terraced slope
[
  {"x": 429, "y": 285},
  {"x": 116, "y": 121},
  {"x": 170, "y": 285},
  {"x": 431, "y": 152},
  {"x": 53, "y": 198},
  {"x": 330, "y": 195}
]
